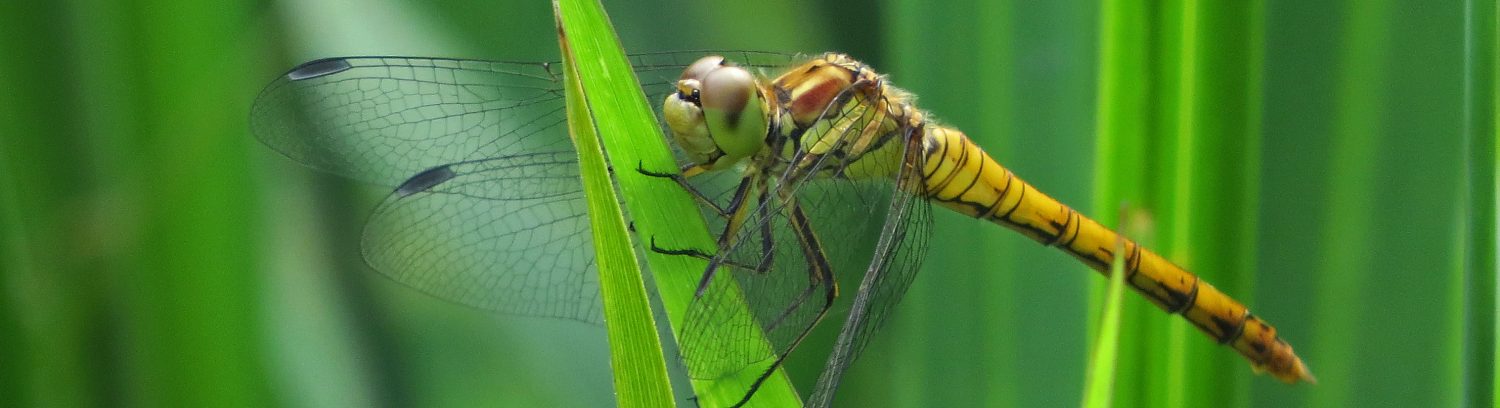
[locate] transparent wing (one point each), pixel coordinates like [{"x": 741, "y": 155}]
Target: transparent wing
[
  {"x": 861, "y": 231},
  {"x": 897, "y": 257},
  {"x": 487, "y": 209},
  {"x": 385, "y": 119},
  {"x": 509, "y": 234}
]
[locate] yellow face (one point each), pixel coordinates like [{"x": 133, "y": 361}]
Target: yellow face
[{"x": 718, "y": 116}]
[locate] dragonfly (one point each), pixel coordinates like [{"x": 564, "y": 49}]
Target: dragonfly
[{"x": 811, "y": 169}]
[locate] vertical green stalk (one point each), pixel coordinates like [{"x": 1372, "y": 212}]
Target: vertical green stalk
[
  {"x": 1487, "y": 235},
  {"x": 1479, "y": 269},
  {"x": 189, "y": 327},
  {"x": 1102, "y": 362},
  {"x": 1121, "y": 104},
  {"x": 1120, "y": 130},
  {"x": 1183, "y": 193},
  {"x": 640, "y": 370},
  {"x": 631, "y": 137},
  {"x": 1178, "y": 127},
  {"x": 46, "y": 358},
  {"x": 1160, "y": 336},
  {"x": 1348, "y": 225},
  {"x": 1213, "y": 200}
]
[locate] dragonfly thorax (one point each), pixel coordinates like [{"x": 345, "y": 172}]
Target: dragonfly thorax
[{"x": 719, "y": 114}]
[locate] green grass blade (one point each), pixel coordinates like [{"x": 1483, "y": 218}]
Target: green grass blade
[
  {"x": 1177, "y": 128},
  {"x": 1185, "y": 194},
  {"x": 632, "y": 138},
  {"x": 1098, "y": 386},
  {"x": 43, "y": 312},
  {"x": 640, "y": 371},
  {"x": 1213, "y": 204},
  {"x": 1350, "y": 175},
  {"x": 1120, "y": 127},
  {"x": 1478, "y": 270},
  {"x": 1485, "y": 182},
  {"x": 183, "y": 326}
]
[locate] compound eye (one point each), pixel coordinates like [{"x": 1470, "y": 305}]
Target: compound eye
[
  {"x": 702, "y": 67},
  {"x": 734, "y": 111},
  {"x": 728, "y": 90}
]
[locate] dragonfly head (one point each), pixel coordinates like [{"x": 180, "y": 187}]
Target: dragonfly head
[{"x": 718, "y": 115}]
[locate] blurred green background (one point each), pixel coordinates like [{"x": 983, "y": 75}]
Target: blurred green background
[{"x": 1330, "y": 163}]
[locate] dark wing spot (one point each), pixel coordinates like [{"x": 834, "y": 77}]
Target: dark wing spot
[
  {"x": 425, "y": 180},
  {"x": 317, "y": 68}
]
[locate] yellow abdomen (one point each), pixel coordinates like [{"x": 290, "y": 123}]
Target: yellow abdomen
[{"x": 961, "y": 176}]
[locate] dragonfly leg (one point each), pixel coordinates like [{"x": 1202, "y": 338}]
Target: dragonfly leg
[
  {"x": 693, "y": 252},
  {"x": 767, "y": 247},
  {"x": 737, "y": 212},
  {"x": 767, "y": 228},
  {"x": 681, "y": 178},
  {"x": 819, "y": 271},
  {"x": 696, "y": 254}
]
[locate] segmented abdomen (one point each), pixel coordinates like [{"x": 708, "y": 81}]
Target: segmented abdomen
[{"x": 961, "y": 176}]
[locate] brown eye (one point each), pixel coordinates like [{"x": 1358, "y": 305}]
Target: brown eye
[
  {"x": 702, "y": 67},
  {"x": 734, "y": 112},
  {"x": 728, "y": 90}
]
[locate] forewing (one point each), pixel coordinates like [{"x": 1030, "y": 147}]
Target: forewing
[
  {"x": 509, "y": 235},
  {"x": 384, "y": 119},
  {"x": 487, "y": 209}
]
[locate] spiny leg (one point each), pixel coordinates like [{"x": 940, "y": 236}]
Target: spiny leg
[
  {"x": 737, "y": 213},
  {"x": 767, "y": 228},
  {"x": 695, "y": 254},
  {"x": 681, "y": 178}
]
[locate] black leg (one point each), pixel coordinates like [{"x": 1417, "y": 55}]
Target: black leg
[
  {"x": 819, "y": 272},
  {"x": 681, "y": 180}
]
